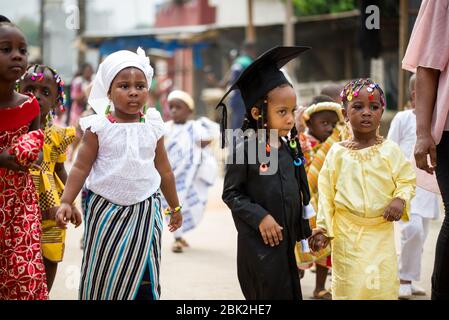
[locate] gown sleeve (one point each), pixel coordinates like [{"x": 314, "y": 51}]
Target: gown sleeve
[
  {"x": 65, "y": 138},
  {"x": 404, "y": 177},
  {"x": 326, "y": 207},
  {"x": 237, "y": 200}
]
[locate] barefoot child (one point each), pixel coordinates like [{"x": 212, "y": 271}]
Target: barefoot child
[
  {"x": 365, "y": 184},
  {"x": 267, "y": 198},
  {"x": 122, "y": 155},
  {"x": 22, "y": 272},
  {"x": 47, "y": 86}
]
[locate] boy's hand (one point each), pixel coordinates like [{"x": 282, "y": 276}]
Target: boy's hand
[
  {"x": 175, "y": 221},
  {"x": 66, "y": 213},
  {"x": 318, "y": 240},
  {"x": 394, "y": 211},
  {"x": 270, "y": 230}
]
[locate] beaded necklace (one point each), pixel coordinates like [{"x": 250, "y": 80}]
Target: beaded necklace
[
  {"x": 364, "y": 155},
  {"x": 112, "y": 119}
]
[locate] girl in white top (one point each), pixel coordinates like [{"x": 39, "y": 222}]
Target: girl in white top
[{"x": 123, "y": 157}]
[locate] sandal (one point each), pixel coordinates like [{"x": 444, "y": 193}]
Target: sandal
[
  {"x": 322, "y": 295},
  {"x": 177, "y": 247},
  {"x": 183, "y": 242}
]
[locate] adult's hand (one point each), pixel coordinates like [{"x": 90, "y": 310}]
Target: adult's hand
[
  {"x": 426, "y": 94},
  {"x": 425, "y": 145}
]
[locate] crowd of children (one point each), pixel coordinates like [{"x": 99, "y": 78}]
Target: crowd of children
[{"x": 331, "y": 202}]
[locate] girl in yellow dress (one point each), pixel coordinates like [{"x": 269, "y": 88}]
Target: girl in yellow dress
[
  {"x": 47, "y": 86},
  {"x": 365, "y": 184}
]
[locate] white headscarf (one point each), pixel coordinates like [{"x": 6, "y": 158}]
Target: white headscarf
[
  {"x": 107, "y": 71},
  {"x": 183, "y": 96}
]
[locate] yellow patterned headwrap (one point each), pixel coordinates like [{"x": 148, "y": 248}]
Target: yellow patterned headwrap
[{"x": 324, "y": 106}]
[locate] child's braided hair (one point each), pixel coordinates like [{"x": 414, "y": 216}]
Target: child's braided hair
[
  {"x": 33, "y": 72},
  {"x": 353, "y": 88}
]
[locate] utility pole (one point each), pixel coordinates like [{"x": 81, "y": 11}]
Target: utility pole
[
  {"x": 403, "y": 36},
  {"x": 250, "y": 31},
  {"x": 80, "y": 32},
  {"x": 42, "y": 27},
  {"x": 289, "y": 33}
]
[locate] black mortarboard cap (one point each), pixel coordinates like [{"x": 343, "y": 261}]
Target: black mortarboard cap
[
  {"x": 4, "y": 19},
  {"x": 260, "y": 77}
]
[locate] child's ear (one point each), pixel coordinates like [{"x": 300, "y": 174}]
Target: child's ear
[{"x": 255, "y": 113}]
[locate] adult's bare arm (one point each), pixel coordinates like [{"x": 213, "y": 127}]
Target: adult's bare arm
[{"x": 426, "y": 93}]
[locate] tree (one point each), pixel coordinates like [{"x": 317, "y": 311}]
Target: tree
[
  {"x": 389, "y": 8},
  {"x": 30, "y": 28},
  {"x": 314, "y": 7}
]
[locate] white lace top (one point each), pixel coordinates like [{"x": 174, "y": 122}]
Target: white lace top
[{"x": 124, "y": 171}]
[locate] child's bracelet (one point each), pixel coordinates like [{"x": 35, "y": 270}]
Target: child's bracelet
[
  {"x": 168, "y": 211},
  {"x": 404, "y": 203}
]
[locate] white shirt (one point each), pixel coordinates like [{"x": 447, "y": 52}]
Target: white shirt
[
  {"x": 403, "y": 132},
  {"x": 124, "y": 172}
]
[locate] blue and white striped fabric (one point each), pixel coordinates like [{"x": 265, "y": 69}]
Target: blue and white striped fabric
[{"x": 119, "y": 243}]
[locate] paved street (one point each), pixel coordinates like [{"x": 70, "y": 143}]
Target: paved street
[{"x": 206, "y": 270}]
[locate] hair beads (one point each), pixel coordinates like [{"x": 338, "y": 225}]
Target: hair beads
[
  {"x": 39, "y": 76},
  {"x": 352, "y": 89}
]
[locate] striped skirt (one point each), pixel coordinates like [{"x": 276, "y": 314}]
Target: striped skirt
[{"x": 120, "y": 243}]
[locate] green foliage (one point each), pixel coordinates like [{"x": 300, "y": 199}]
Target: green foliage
[
  {"x": 30, "y": 28},
  {"x": 314, "y": 7}
]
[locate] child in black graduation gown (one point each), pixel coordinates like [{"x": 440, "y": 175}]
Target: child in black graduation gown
[{"x": 268, "y": 208}]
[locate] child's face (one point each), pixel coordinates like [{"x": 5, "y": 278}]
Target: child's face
[
  {"x": 281, "y": 110},
  {"x": 364, "y": 114},
  {"x": 88, "y": 72},
  {"x": 43, "y": 88},
  {"x": 322, "y": 123},
  {"x": 13, "y": 53},
  {"x": 179, "y": 111},
  {"x": 129, "y": 91}
]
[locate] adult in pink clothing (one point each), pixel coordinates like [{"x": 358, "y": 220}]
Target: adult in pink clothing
[{"x": 428, "y": 56}]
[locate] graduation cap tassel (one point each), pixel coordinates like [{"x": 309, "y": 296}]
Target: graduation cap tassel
[{"x": 223, "y": 123}]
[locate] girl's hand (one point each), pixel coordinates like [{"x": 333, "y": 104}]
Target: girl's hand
[
  {"x": 76, "y": 217},
  {"x": 66, "y": 213},
  {"x": 394, "y": 210},
  {"x": 50, "y": 214},
  {"x": 8, "y": 161},
  {"x": 318, "y": 240},
  {"x": 175, "y": 221},
  {"x": 63, "y": 215},
  {"x": 270, "y": 230}
]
